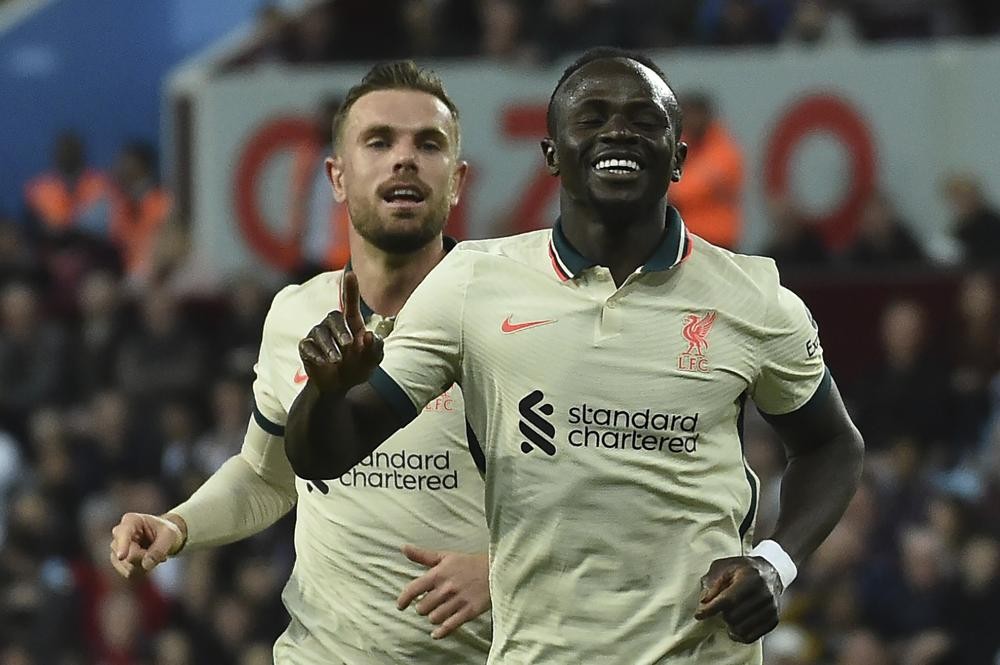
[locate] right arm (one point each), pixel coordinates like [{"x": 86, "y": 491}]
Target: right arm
[
  {"x": 329, "y": 432},
  {"x": 338, "y": 419},
  {"x": 354, "y": 399},
  {"x": 248, "y": 493}
]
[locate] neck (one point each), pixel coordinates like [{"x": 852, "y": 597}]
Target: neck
[
  {"x": 387, "y": 280},
  {"x": 620, "y": 239}
]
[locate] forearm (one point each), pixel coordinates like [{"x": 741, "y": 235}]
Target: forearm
[
  {"x": 328, "y": 434},
  {"x": 234, "y": 503},
  {"x": 815, "y": 489}
]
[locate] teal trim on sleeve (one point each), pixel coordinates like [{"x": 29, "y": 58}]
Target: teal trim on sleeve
[
  {"x": 821, "y": 391},
  {"x": 269, "y": 426},
  {"x": 395, "y": 396}
]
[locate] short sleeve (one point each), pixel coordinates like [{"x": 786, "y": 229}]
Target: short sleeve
[
  {"x": 268, "y": 412},
  {"x": 423, "y": 354},
  {"x": 789, "y": 356}
]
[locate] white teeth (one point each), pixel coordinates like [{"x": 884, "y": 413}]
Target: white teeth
[
  {"x": 406, "y": 192},
  {"x": 617, "y": 165}
]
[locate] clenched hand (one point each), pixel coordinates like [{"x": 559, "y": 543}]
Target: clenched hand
[{"x": 745, "y": 590}]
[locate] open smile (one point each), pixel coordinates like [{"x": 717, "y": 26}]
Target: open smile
[{"x": 617, "y": 167}]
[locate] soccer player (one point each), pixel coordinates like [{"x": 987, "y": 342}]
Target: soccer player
[
  {"x": 397, "y": 166},
  {"x": 606, "y": 365}
]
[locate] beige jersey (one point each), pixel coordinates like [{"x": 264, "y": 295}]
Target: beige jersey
[
  {"x": 609, "y": 419},
  {"x": 421, "y": 487}
]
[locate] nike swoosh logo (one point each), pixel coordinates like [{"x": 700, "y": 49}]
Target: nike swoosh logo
[
  {"x": 508, "y": 327},
  {"x": 300, "y": 376}
]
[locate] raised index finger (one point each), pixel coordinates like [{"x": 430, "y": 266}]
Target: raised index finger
[{"x": 352, "y": 305}]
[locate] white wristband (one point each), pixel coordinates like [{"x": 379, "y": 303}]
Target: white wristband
[{"x": 774, "y": 554}]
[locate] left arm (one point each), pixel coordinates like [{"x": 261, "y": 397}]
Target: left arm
[{"x": 825, "y": 454}]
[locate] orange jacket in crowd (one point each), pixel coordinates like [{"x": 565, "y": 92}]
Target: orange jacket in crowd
[
  {"x": 135, "y": 225},
  {"x": 60, "y": 205},
  {"x": 708, "y": 194}
]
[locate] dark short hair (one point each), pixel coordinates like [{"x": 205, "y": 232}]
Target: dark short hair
[
  {"x": 395, "y": 75},
  {"x": 614, "y": 53}
]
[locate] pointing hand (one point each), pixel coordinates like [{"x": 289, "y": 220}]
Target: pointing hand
[{"x": 339, "y": 353}]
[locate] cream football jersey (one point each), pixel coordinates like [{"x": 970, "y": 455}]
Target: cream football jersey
[
  {"x": 609, "y": 422},
  {"x": 421, "y": 487}
]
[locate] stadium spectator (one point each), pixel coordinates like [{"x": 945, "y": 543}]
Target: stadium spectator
[
  {"x": 368, "y": 30},
  {"x": 140, "y": 208},
  {"x": 314, "y": 37},
  {"x": 974, "y": 350},
  {"x": 179, "y": 430},
  {"x": 18, "y": 259},
  {"x": 97, "y": 334},
  {"x": 114, "y": 616},
  {"x": 738, "y": 22},
  {"x": 655, "y": 24},
  {"x": 419, "y": 26},
  {"x": 795, "y": 244},
  {"x": 900, "y": 395},
  {"x": 32, "y": 356},
  {"x": 711, "y": 186},
  {"x": 230, "y": 407},
  {"x": 884, "y": 240},
  {"x": 461, "y": 21},
  {"x": 907, "y": 19},
  {"x": 976, "y": 638},
  {"x": 72, "y": 196},
  {"x": 164, "y": 356},
  {"x": 568, "y": 26},
  {"x": 503, "y": 32},
  {"x": 976, "y": 223},
  {"x": 862, "y": 647},
  {"x": 817, "y": 23},
  {"x": 112, "y": 441},
  {"x": 239, "y": 329},
  {"x": 272, "y": 41}
]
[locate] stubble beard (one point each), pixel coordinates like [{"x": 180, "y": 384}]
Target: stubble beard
[{"x": 387, "y": 234}]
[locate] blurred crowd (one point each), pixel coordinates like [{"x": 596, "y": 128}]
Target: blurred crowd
[
  {"x": 533, "y": 31},
  {"x": 117, "y": 394}
]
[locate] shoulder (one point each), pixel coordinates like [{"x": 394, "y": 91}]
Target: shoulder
[
  {"x": 744, "y": 274},
  {"x": 523, "y": 248},
  {"x": 298, "y": 307}
]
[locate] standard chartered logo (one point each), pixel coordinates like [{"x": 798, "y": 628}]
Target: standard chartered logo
[
  {"x": 644, "y": 429},
  {"x": 538, "y": 431},
  {"x": 403, "y": 470},
  {"x": 609, "y": 428}
]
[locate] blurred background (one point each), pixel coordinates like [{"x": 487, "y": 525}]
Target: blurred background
[{"x": 160, "y": 179}]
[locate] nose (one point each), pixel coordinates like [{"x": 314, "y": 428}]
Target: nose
[
  {"x": 405, "y": 158},
  {"x": 616, "y": 130}
]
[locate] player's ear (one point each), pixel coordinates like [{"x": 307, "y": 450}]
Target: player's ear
[
  {"x": 335, "y": 174},
  {"x": 549, "y": 152},
  {"x": 458, "y": 181},
  {"x": 678, "y": 166}
]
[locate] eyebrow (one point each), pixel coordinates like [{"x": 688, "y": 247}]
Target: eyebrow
[
  {"x": 421, "y": 133},
  {"x": 632, "y": 105}
]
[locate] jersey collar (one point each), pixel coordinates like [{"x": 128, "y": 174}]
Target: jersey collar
[
  {"x": 675, "y": 247},
  {"x": 366, "y": 311}
]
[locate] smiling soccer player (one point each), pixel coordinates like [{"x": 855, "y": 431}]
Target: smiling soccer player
[{"x": 636, "y": 548}]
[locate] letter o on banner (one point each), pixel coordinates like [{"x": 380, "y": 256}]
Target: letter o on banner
[
  {"x": 824, "y": 113},
  {"x": 277, "y": 136}
]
